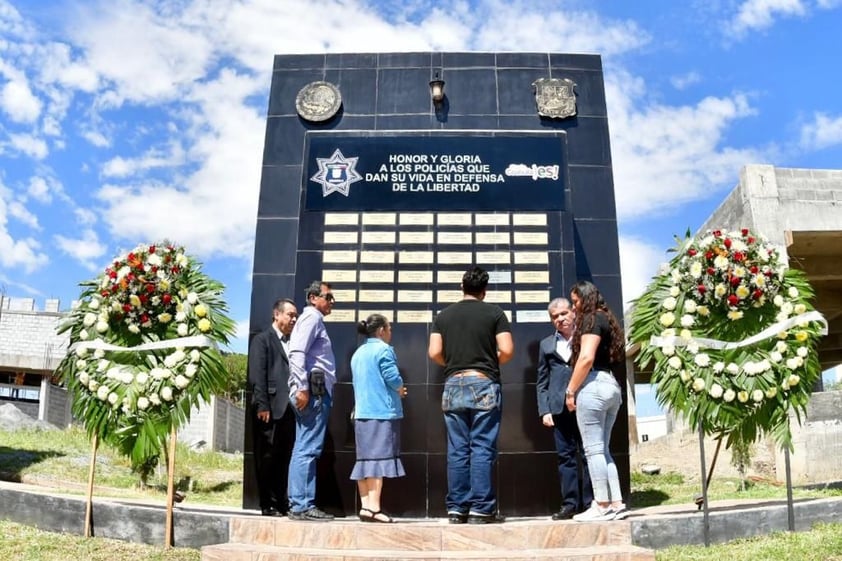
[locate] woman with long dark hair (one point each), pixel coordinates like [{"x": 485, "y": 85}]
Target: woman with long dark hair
[
  {"x": 378, "y": 390},
  {"x": 595, "y": 394}
]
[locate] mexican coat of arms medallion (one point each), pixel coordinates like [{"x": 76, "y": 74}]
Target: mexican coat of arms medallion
[
  {"x": 318, "y": 101},
  {"x": 555, "y": 97}
]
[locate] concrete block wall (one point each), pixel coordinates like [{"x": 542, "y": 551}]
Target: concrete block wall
[
  {"x": 229, "y": 426},
  {"x": 28, "y": 338},
  {"x": 57, "y": 408},
  {"x": 220, "y": 423},
  {"x": 810, "y": 199},
  {"x": 772, "y": 200},
  {"x": 817, "y": 441},
  {"x": 200, "y": 426}
]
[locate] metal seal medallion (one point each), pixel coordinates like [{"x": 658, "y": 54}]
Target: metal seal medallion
[
  {"x": 555, "y": 97},
  {"x": 318, "y": 101}
]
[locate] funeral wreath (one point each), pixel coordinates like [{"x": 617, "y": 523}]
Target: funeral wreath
[
  {"x": 143, "y": 352},
  {"x": 731, "y": 335}
]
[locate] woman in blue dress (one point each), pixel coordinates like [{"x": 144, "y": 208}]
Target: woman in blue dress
[{"x": 378, "y": 390}]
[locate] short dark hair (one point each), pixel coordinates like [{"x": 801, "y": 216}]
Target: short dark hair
[
  {"x": 278, "y": 306},
  {"x": 371, "y": 324},
  {"x": 474, "y": 281},
  {"x": 315, "y": 289}
]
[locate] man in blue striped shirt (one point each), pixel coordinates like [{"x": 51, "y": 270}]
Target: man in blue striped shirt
[{"x": 312, "y": 374}]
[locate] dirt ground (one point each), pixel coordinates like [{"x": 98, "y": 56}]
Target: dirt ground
[{"x": 679, "y": 452}]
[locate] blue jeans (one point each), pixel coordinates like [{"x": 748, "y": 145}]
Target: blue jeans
[
  {"x": 472, "y": 414},
  {"x": 310, "y": 428},
  {"x": 597, "y": 404}
]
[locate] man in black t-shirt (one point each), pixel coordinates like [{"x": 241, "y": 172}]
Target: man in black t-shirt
[{"x": 471, "y": 339}]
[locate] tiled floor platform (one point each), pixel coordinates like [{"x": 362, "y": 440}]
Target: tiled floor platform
[{"x": 517, "y": 540}]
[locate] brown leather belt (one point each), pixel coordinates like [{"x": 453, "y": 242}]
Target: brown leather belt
[{"x": 469, "y": 374}]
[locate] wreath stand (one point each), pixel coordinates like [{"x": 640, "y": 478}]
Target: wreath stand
[
  {"x": 89, "y": 504},
  {"x": 168, "y": 525},
  {"x": 702, "y": 500}
]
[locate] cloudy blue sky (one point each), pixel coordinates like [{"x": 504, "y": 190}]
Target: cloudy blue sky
[{"x": 124, "y": 121}]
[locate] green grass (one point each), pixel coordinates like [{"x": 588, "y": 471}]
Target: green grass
[
  {"x": 60, "y": 460},
  {"x": 674, "y": 488},
  {"x": 822, "y": 543},
  {"x": 25, "y": 543}
]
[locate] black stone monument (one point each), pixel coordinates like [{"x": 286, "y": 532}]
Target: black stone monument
[{"x": 372, "y": 185}]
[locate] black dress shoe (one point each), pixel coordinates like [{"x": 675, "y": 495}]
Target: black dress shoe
[
  {"x": 314, "y": 514},
  {"x": 485, "y": 519},
  {"x": 270, "y": 511},
  {"x": 566, "y": 513},
  {"x": 456, "y": 518}
]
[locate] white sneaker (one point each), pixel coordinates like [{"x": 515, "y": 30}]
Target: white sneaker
[
  {"x": 595, "y": 514},
  {"x": 620, "y": 512}
]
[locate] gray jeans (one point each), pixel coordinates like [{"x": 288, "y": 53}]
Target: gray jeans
[{"x": 597, "y": 404}]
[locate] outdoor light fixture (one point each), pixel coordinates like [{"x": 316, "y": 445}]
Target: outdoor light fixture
[{"x": 437, "y": 89}]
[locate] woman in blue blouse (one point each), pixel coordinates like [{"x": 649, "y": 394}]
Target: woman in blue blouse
[{"x": 378, "y": 389}]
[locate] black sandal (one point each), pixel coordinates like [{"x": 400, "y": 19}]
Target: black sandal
[
  {"x": 366, "y": 515},
  {"x": 388, "y": 520}
]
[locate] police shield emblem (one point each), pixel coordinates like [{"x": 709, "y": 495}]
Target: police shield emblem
[
  {"x": 336, "y": 174},
  {"x": 555, "y": 97}
]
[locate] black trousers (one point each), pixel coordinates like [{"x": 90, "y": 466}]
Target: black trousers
[
  {"x": 273, "y": 443},
  {"x": 576, "y": 489}
]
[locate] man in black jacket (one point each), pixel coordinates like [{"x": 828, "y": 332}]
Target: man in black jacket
[
  {"x": 274, "y": 429},
  {"x": 554, "y": 371}
]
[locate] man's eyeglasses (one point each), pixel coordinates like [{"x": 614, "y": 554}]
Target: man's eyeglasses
[{"x": 328, "y": 297}]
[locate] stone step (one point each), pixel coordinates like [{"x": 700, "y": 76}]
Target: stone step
[
  {"x": 255, "y": 552},
  {"x": 428, "y": 535}
]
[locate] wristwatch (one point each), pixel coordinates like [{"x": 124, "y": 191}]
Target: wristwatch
[{"x": 568, "y": 393}]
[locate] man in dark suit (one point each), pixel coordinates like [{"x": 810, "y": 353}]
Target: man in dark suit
[
  {"x": 274, "y": 430},
  {"x": 554, "y": 371}
]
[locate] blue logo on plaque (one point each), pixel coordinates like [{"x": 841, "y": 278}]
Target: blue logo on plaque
[{"x": 336, "y": 174}]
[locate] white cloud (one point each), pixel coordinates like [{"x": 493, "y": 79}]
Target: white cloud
[
  {"x": 546, "y": 27},
  {"x": 639, "y": 262},
  {"x": 755, "y": 15},
  {"x": 824, "y": 131},
  {"x": 684, "y": 81},
  {"x": 666, "y": 155},
  {"x": 39, "y": 190},
  {"x": 85, "y": 249},
  {"x": 212, "y": 211},
  {"x": 18, "y": 211},
  {"x": 60, "y": 67},
  {"x": 24, "y": 252},
  {"x": 96, "y": 138},
  {"x": 84, "y": 216},
  {"x": 18, "y": 102},
  {"x": 6, "y": 282},
  {"x": 153, "y": 158},
  {"x": 29, "y": 145},
  {"x": 142, "y": 55},
  {"x": 11, "y": 21},
  {"x": 16, "y": 253}
]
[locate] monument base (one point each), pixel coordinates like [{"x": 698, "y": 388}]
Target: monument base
[{"x": 429, "y": 539}]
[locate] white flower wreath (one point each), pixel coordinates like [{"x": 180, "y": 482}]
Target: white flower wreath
[
  {"x": 732, "y": 335},
  {"x": 143, "y": 349}
]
